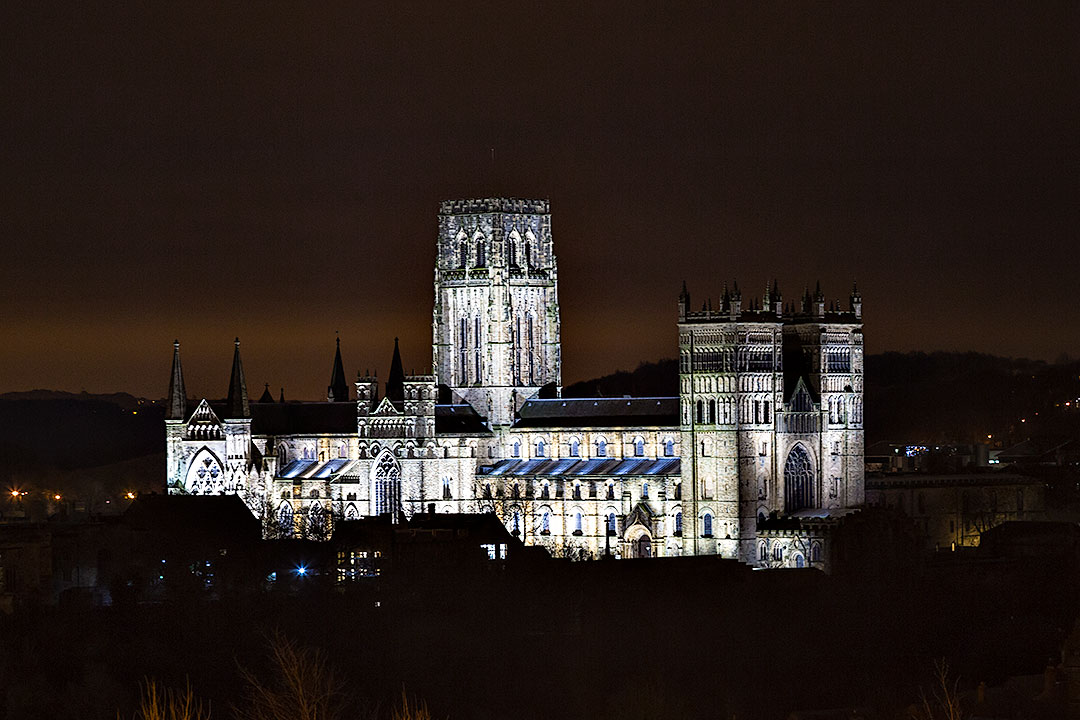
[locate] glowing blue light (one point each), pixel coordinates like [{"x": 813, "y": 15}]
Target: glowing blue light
[{"x": 301, "y": 570}]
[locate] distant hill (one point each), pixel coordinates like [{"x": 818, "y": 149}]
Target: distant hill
[
  {"x": 923, "y": 397},
  {"x": 44, "y": 430},
  {"x": 120, "y": 399},
  {"x": 650, "y": 379}
]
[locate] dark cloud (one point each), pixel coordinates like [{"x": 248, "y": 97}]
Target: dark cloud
[{"x": 273, "y": 171}]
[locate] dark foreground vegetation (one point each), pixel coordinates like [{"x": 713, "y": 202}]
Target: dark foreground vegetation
[{"x": 667, "y": 638}]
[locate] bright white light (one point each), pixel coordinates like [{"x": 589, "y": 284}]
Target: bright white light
[{"x": 301, "y": 570}]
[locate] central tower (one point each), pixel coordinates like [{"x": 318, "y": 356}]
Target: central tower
[{"x": 496, "y": 318}]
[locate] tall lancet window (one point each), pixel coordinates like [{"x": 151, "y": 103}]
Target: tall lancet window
[
  {"x": 481, "y": 258},
  {"x": 464, "y": 253},
  {"x": 387, "y": 485},
  {"x": 479, "y": 372},
  {"x": 463, "y": 352},
  {"x": 528, "y": 255},
  {"x": 516, "y": 354},
  {"x": 532, "y": 352}
]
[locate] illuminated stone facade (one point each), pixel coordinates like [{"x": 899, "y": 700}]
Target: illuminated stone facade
[{"x": 767, "y": 425}]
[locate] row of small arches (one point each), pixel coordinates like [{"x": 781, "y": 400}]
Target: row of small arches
[{"x": 541, "y": 448}]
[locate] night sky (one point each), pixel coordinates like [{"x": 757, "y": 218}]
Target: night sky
[{"x": 201, "y": 171}]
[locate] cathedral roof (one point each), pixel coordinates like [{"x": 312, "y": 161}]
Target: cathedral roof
[
  {"x": 297, "y": 418},
  {"x": 460, "y": 419},
  {"x": 568, "y": 467},
  {"x": 266, "y": 397},
  {"x": 599, "y": 412}
]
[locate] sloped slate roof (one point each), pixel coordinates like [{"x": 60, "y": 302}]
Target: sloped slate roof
[
  {"x": 295, "y": 418},
  {"x": 459, "y": 418},
  {"x": 577, "y": 467},
  {"x": 599, "y": 412}
]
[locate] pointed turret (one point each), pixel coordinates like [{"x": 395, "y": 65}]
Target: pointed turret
[
  {"x": 266, "y": 397},
  {"x": 237, "y": 402},
  {"x": 819, "y": 301},
  {"x": 856, "y": 301},
  {"x": 338, "y": 390},
  {"x": 177, "y": 394},
  {"x": 282, "y": 398},
  {"x": 395, "y": 385},
  {"x": 684, "y": 302}
]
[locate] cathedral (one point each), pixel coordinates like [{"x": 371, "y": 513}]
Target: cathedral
[{"x": 758, "y": 458}]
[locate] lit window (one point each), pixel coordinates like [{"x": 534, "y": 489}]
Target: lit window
[
  {"x": 706, "y": 525},
  {"x": 644, "y": 491},
  {"x": 515, "y": 449},
  {"x": 540, "y": 447},
  {"x": 669, "y": 447},
  {"x": 577, "y": 523},
  {"x": 611, "y": 524},
  {"x": 601, "y": 448},
  {"x": 575, "y": 448},
  {"x": 678, "y": 523},
  {"x": 639, "y": 447}
]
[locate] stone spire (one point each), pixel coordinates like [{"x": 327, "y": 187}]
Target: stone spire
[
  {"x": 237, "y": 403},
  {"x": 266, "y": 397},
  {"x": 177, "y": 394},
  {"x": 395, "y": 385},
  {"x": 338, "y": 390}
]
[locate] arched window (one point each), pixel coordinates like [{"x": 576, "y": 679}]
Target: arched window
[
  {"x": 763, "y": 551},
  {"x": 677, "y": 492},
  {"x": 601, "y": 448},
  {"x": 577, "y": 523},
  {"x": 611, "y": 491},
  {"x": 644, "y": 491},
  {"x": 515, "y": 449},
  {"x": 540, "y": 447},
  {"x": 815, "y": 552},
  {"x": 611, "y": 528},
  {"x": 545, "y": 490},
  {"x": 446, "y": 489},
  {"x": 712, "y": 410},
  {"x": 515, "y": 491},
  {"x": 575, "y": 448},
  {"x": 487, "y": 491},
  {"x": 798, "y": 480},
  {"x": 639, "y": 447},
  {"x": 464, "y": 253},
  {"x": 282, "y": 454},
  {"x": 577, "y": 491},
  {"x": 285, "y": 518},
  {"x": 799, "y": 561},
  {"x": 706, "y": 525},
  {"x": 700, "y": 411},
  {"x": 545, "y": 522},
  {"x": 511, "y": 251},
  {"x": 669, "y": 447},
  {"x": 678, "y": 523},
  {"x": 387, "y": 485},
  {"x": 528, "y": 255},
  {"x": 481, "y": 260}
]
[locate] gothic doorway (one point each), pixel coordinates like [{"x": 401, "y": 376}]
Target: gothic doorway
[{"x": 643, "y": 547}]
